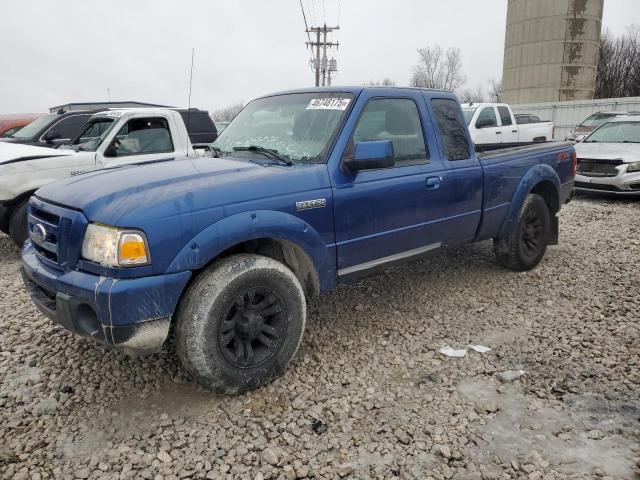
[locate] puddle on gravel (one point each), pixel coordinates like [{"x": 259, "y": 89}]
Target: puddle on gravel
[
  {"x": 135, "y": 414},
  {"x": 559, "y": 436}
]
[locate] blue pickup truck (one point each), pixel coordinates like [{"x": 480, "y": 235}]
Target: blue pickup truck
[{"x": 302, "y": 191}]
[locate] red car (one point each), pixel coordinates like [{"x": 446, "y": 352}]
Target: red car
[{"x": 10, "y": 124}]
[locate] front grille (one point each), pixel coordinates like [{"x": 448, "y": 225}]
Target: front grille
[
  {"x": 44, "y": 228},
  {"x": 598, "y": 168},
  {"x": 597, "y": 186}
]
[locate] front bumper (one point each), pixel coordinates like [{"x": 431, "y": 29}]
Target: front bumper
[
  {"x": 624, "y": 184},
  {"x": 133, "y": 314}
]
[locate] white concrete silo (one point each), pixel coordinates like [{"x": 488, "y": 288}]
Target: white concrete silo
[{"x": 551, "y": 50}]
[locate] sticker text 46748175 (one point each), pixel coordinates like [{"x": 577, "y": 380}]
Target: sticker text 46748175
[{"x": 328, "y": 104}]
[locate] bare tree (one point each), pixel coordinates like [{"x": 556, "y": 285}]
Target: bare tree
[
  {"x": 618, "y": 71},
  {"x": 386, "y": 82},
  {"x": 227, "y": 113},
  {"x": 438, "y": 69},
  {"x": 472, "y": 96},
  {"x": 495, "y": 90}
]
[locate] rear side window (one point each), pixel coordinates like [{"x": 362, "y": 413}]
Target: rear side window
[
  {"x": 398, "y": 120},
  {"x": 69, "y": 125},
  {"x": 452, "y": 129},
  {"x": 487, "y": 118},
  {"x": 505, "y": 116}
]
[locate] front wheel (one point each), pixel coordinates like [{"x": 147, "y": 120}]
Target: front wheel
[
  {"x": 18, "y": 230},
  {"x": 240, "y": 323},
  {"x": 523, "y": 248}
]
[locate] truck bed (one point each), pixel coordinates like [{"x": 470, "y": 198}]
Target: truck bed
[{"x": 503, "y": 172}]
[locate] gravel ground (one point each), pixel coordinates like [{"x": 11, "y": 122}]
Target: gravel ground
[{"x": 368, "y": 395}]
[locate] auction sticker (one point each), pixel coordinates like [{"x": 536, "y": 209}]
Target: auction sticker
[{"x": 328, "y": 104}]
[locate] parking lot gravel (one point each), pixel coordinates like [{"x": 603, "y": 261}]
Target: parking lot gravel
[{"x": 368, "y": 395}]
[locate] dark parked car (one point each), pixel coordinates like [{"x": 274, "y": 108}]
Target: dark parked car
[
  {"x": 51, "y": 129},
  {"x": 199, "y": 125}
]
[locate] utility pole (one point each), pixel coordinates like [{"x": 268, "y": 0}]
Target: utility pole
[{"x": 323, "y": 67}]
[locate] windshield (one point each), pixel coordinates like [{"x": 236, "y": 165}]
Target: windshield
[
  {"x": 94, "y": 131},
  {"x": 34, "y": 127},
  {"x": 297, "y": 126},
  {"x": 616, "y": 132},
  {"x": 598, "y": 119},
  {"x": 468, "y": 114}
]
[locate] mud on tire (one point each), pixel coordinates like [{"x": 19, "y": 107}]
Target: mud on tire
[
  {"x": 525, "y": 245},
  {"x": 240, "y": 323}
]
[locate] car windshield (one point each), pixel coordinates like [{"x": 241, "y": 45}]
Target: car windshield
[
  {"x": 468, "y": 114},
  {"x": 298, "y": 126},
  {"x": 616, "y": 132},
  {"x": 34, "y": 127},
  {"x": 598, "y": 119},
  {"x": 94, "y": 131}
]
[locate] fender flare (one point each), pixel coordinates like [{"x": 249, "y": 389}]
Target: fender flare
[
  {"x": 254, "y": 225},
  {"x": 533, "y": 177}
]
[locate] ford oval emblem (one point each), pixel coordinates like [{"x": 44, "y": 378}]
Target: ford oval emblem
[{"x": 38, "y": 233}]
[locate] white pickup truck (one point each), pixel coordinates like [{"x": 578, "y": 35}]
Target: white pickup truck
[
  {"x": 109, "y": 139},
  {"x": 494, "y": 125}
]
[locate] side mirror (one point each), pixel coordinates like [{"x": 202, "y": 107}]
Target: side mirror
[
  {"x": 579, "y": 138},
  {"x": 111, "y": 151},
  {"x": 484, "y": 123},
  {"x": 49, "y": 137},
  {"x": 371, "y": 155}
]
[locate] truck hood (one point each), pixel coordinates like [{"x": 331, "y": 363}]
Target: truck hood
[
  {"x": 627, "y": 152},
  {"x": 135, "y": 194},
  {"x": 15, "y": 152}
]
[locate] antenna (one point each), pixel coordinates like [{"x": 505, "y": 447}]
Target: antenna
[
  {"x": 109, "y": 94},
  {"x": 190, "y": 83}
]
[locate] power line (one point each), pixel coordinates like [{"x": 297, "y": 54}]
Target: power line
[
  {"x": 313, "y": 10},
  {"x": 304, "y": 17}
]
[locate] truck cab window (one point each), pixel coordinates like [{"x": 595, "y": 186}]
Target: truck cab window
[
  {"x": 487, "y": 118},
  {"x": 143, "y": 135},
  {"x": 505, "y": 116},
  {"x": 452, "y": 129},
  {"x": 396, "y": 120}
]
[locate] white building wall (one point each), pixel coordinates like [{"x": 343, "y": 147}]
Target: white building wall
[{"x": 566, "y": 115}]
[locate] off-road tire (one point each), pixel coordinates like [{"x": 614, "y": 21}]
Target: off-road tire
[
  {"x": 521, "y": 249},
  {"x": 208, "y": 307},
  {"x": 18, "y": 224}
]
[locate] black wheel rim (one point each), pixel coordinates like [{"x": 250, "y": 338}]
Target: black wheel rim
[
  {"x": 254, "y": 328},
  {"x": 531, "y": 234}
]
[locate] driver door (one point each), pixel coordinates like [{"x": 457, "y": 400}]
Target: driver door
[{"x": 140, "y": 139}]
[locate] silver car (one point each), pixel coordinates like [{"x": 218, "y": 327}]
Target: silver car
[{"x": 609, "y": 158}]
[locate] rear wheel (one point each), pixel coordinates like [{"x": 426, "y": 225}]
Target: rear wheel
[
  {"x": 18, "y": 224},
  {"x": 524, "y": 247},
  {"x": 240, "y": 323}
]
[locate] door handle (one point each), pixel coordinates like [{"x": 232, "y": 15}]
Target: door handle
[
  {"x": 434, "y": 182},
  {"x": 498, "y": 133},
  {"x": 514, "y": 131}
]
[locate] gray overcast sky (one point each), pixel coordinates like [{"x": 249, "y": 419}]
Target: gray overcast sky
[{"x": 73, "y": 50}]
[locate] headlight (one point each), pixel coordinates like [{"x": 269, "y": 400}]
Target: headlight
[
  {"x": 115, "y": 247},
  {"x": 633, "y": 167}
]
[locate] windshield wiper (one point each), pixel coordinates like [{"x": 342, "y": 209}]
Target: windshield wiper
[{"x": 267, "y": 152}]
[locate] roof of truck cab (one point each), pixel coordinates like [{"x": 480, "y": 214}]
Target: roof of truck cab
[
  {"x": 119, "y": 112},
  {"x": 355, "y": 90}
]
